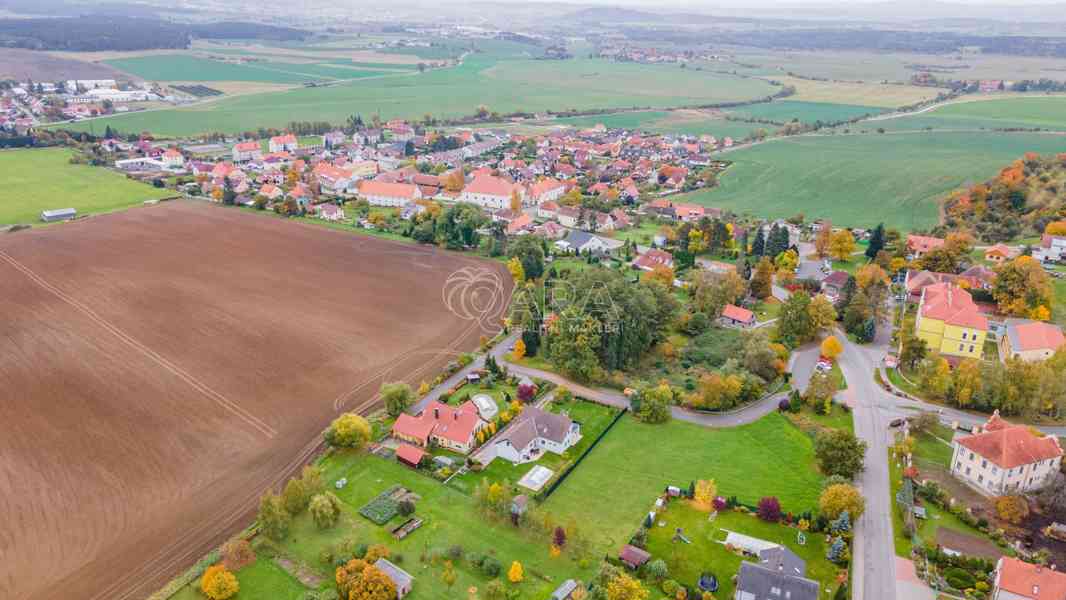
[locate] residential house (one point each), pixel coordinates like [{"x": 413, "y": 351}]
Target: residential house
[
  {"x": 533, "y": 432},
  {"x": 247, "y": 151},
  {"x": 1019, "y": 580},
  {"x": 283, "y": 143},
  {"x": 761, "y": 582},
  {"x": 633, "y": 557},
  {"x": 621, "y": 219},
  {"x": 654, "y": 258},
  {"x": 454, "y": 428},
  {"x": 916, "y": 281},
  {"x": 333, "y": 179},
  {"x": 172, "y": 159},
  {"x": 1052, "y": 248},
  {"x": 379, "y": 193},
  {"x": 400, "y": 578},
  {"x": 833, "y": 284},
  {"x": 1030, "y": 340},
  {"x": 735, "y": 316},
  {"x": 546, "y": 190},
  {"x": 271, "y": 192},
  {"x": 520, "y": 225},
  {"x": 978, "y": 277},
  {"x": 568, "y": 216},
  {"x": 950, "y": 322},
  {"x": 547, "y": 210},
  {"x": 550, "y": 230},
  {"x": 581, "y": 242},
  {"x": 1002, "y": 458},
  {"x": 489, "y": 191},
  {"x": 918, "y": 245},
  {"x": 329, "y": 212},
  {"x": 1000, "y": 253}
]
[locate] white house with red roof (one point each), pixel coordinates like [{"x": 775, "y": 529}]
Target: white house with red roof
[
  {"x": 546, "y": 190},
  {"x": 736, "y": 316},
  {"x": 454, "y": 428},
  {"x": 489, "y": 191},
  {"x": 1019, "y": 580},
  {"x": 173, "y": 159},
  {"x": 920, "y": 244},
  {"x": 1002, "y": 458},
  {"x": 547, "y": 210},
  {"x": 283, "y": 143},
  {"x": 1051, "y": 248},
  {"x": 382, "y": 193},
  {"x": 246, "y": 151},
  {"x": 654, "y": 258},
  {"x": 1030, "y": 340},
  {"x": 333, "y": 179}
]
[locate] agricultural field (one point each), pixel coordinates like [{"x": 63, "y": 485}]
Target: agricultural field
[
  {"x": 770, "y": 457},
  {"x": 858, "y": 94},
  {"x": 684, "y": 121},
  {"x": 154, "y": 406},
  {"x": 783, "y": 111},
  {"x": 180, "y": 67},
  {"x": 862, "y": 180},
  {"x": 43, "y": 179},
  {"x": 501, "y": 83},
  {"x": 1013, "y": 112}
]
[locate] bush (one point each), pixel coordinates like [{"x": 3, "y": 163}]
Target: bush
[
  {"x": 406, "y": 508},
  {"x": 491, "y": 567},
  {"x": 959, "y": 578},
  {"x": 669, "y": 587},
  {"x": 769, "y": 509},
  {"x": 455, "y": 552},
  {"x": 237, "y": 554}
]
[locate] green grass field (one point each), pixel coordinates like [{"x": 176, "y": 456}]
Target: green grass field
[
  {"x": 669, "y": 122},
  {"x": 502, "y": 84},
  {"x": 806, "y": 112},
  {"x": 179, "y": 67},
  {"x": 1033, "y": 112},
  {"x": 43, "y": 179},
  {"x": 862, "y": 180},
  {"x": 619, "y": 480}
]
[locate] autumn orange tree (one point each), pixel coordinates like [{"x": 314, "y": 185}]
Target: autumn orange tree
[
  {"x": 831, "y": 347},
  {"x": 218, "y": 583}
]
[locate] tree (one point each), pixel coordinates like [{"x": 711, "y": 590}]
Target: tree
[
  {"x": 820, "y": 391},
  {"x": 624, "y": 587},
  {"x": 325, "y": 509},
  {"x": 711, "y": 292},
  {"x": 758, "y": 247},
  {"x": 658, "y": 570},
  {"x": 914, "y": 351},
  {"x": 705, "y": 493},
  {"x": 574, "y": 338},
  {"x": 519, "y": 350},
  {"x": 219, "y": 584},
  {"x": 1022, "y": 287},
  {"x": 397, "y": 397},
  {"x": 841, "y": 497},
  {"x": 530, "y": 252},
  {"x": 660, "y": 273},
  {"x": 1056, "y": 228},
  {"x": 877, "y": 241},
  {"x": 823, "y": 241},
  {"x": 448, "y": 575},
  {"x": 841, "y": 245},
  {"x": 1012, "y": 509},
  {"x": 763, "y": 280},
  {"x": 372, "y": 584},
  {"x": 515, "y": 573},
  {"x": 839, "y": 452},
  {"x": 273, "y": 519},
  {"x": 559, "y": 537},
  {"x": 794, "y": 324},
  {"x": 823, "y": 315},
  {"x": 1053, "y": 496},
  {"x": 237, "y": 554},
  {"x": 769, "y": 509},
  {"x": 348, "y": 431},
  {"x": 831, "y": 347},
  {"x": 518, "y": 273},
  {"x": 653, "y": 403},
  {"x": 936, "y": 377},
  {"x": 294, "y": 498}
]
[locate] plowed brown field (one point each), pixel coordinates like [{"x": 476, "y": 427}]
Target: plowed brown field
[{"x": 160, "y": 368}]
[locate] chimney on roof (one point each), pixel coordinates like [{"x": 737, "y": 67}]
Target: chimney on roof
[
  {"x": 455, "y": 415},
  {"x": 436, "y": 413}
]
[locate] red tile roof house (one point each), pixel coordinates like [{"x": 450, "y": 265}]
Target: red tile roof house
[
  {"x": 834, "y": 283},
  {"x": 271, "y": 191},
  {"x": 736, "y": 316},
  {"x": 333, "y": 179},
  {"x": 546, "y": 190},
  {"x": 1002, "y": 458},
  {"x": 920, "y": 244},
  {"x": 1030, "y": 340},
  {"x": 283, "y": 143},
  {"x": 491, "y": 192},
  {"x": 1018, "y": 580},
  {"x": 654, "y": 258},
  {"x": 454, "y": 428},
  {"x": 246, "y": 151},
  {"x": 380, "y": 193},
  {"x": 547, "y": 210}
]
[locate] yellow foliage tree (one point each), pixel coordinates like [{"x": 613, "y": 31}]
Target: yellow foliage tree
[
  {"x": 517, "y": 272},
  {"x": 515, "y": 573},
  {"x": 1012, "y": 509},
  {"x": 841, "y": 245},
  {"x": 706, "y": 490},
  {"x": 625, "y": 587},
  {"x": 218, "y": 583},
  {"x": 1056, "y": 228},
  {"x": 1040, "y": 313},
  {"x": 831, "y": 347},
  {"x": 519, "y": 351},
  {"x": 373, "y": 584},
  {"x": 216, "y": 194},
  {"x": 554, "y": 552},
  {"x": 840, "y": 497},
  {"x": 423, "y": 389},
  {"x": 662, "y": 274},
  {"x": 516, "y": 201}
]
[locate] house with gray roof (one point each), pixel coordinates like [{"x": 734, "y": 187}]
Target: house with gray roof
[
  {"x": 783, "y": 560},
  {"x": 400, "y": 578},
  {"x": 533, "y": 432},
  {"x": 759, "y": 582},
  {"x": 583, "y": 242}
]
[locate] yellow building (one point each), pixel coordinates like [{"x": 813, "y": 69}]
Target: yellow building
[{"x": 950, "y": 322}]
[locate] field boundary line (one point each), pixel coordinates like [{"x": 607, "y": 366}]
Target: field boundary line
[{"x": 154, "y": 356}]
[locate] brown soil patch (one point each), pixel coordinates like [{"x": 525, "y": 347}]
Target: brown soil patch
[
  {"x": 163, "y": 366},
  {"x": 967, "y": 544},
  {"x": 20, "y": 65},
  {"x": 238, "y": 88}
]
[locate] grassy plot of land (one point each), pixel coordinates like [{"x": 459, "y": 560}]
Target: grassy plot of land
[
  {"x": 503, "y": 85},
  {"x": 708, "y": 553},
  {"x": 259, "y": 581},
  {"x": 180, "y": 67},
  {"x": 614, "y": 486},
  {"x": 862, "y": 180},
  {"x": 36, "y": 180},
  {"x": 1031, "y": 112},
  {"x": 688, "y": 122},
  {"x": 860, "y": 94},
  {"x": 805, "y": 112}
]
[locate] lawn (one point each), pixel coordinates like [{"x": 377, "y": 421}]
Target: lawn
[
  {"x": 862, "y": 180},
  {"x": 857, "y": 93},
  {"x": 263, "y": 580},
  {"x": 451, "y": 519},
  {"x": 635, "y": 462},
  {"x": 497, "y": 79},
  {"x": 181, "y": 67},
  {"x": 814, "y": 422},
  {"x": 1033, "y": 112},
  {"x": 42, "y": 179},
  {"x": 707, "y": 552},
  {"x": 934, "y": 447},
  {"x": 1058, "y": 304},
  {"x": 783, "y": 111}
]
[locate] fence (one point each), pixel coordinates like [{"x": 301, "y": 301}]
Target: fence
[{"x": 545, "y": 493}]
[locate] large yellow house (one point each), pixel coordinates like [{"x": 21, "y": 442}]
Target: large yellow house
[{"x": 950, "y": 322}]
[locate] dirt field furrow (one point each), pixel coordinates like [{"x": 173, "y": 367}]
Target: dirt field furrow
[{"x": 168, "y": 364}]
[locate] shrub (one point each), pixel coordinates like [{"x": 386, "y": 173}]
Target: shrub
[
  {"x": 406, "y": 508},
  {"x": 657, "y": 569},
  {"x": 1013, "y": 509},
  {"x": 237, "y": 554},
  {"x": 959, "y": 578},
  {"x": 348, "y": 431},
  {"x": 219, "y": 584},
  {"x": 669, "y": 587},
  {"x": 769, "y": 509},
  {"x": 455, "y": 552},
  {"x": 325, "y": 509},
  {"x": 491, "y": 567}
]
